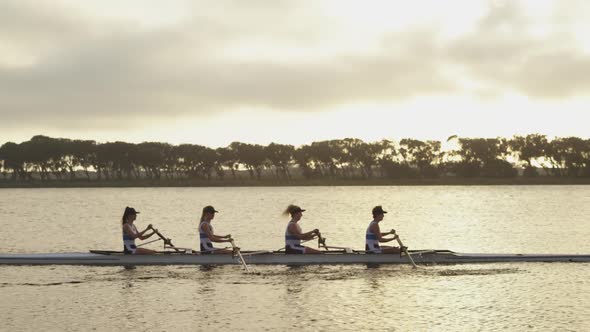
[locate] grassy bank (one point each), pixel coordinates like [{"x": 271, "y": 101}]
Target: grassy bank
[{"x": 247, "y": 182}]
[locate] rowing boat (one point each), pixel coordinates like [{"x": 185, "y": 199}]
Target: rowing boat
[{"x": 110, "y": 258}]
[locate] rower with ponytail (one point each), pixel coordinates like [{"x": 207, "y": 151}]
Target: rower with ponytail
[{"x": 294, "y": 235}]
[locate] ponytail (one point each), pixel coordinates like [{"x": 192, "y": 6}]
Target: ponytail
[
  {"x": 128, "y": 211},
  {"x": 288, "y": 210},
  {"x": 292, "y": 209}
]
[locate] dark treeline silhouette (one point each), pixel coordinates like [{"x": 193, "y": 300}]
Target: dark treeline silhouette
[{"x": 45, "y": 158}]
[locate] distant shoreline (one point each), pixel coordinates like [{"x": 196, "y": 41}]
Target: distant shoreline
[{"x": 446, "y": 181}]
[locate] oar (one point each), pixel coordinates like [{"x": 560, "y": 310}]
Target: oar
[
  {"x": 401, "y": 246},
  {"x": 166, "y": 240},
  {"x": 322, "y": 243},
  {"x": 146, "y": 243},
  {"x": 237, "y": 251}
]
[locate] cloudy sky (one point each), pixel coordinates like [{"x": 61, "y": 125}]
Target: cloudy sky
[{"x": 213, "y": 72}]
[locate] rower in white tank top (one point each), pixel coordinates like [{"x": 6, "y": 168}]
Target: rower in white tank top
[
  {"x": 373, "y": 235},
  {"x": 371, "y": 239},
  {"x": 129, "y": 246},
  {"x": 130, "y": 233},
  {"x": 294, "y": 234},
  {"x": 206, "y": 245},
  {"x": 292, "y": 242},
  {"x": 207, "y": 236}
]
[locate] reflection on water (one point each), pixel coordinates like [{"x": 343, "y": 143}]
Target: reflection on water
[
  {"x": 524, "y": 296},
  {"x": 309, "y": 298}
]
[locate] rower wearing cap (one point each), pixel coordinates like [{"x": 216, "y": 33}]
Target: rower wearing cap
[
  {"x": 130, "y": 233},
  {"x": 374, "y": 236},
  {"x": 294, "y": 235},
  {"x": 207, "y": 235}
]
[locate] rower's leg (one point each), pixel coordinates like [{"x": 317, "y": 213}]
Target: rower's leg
[
  {"x": 390, "y": 250},
  {"x": 222, "y": 252},
  {"x": 309, "y": 250},
  {"x": 143, "y": 251}
]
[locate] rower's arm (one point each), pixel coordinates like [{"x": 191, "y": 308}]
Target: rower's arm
[
  {"x": 146, "y": 229},
  {"x": 213, "y": 237},
  {"x": 377, "y": 231},
  {"x": 133, "y": 234},
  {"x": 294, "y": 230},
  {"x": 143, "y": 237}
]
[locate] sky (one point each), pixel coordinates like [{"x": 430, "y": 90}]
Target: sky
[{"x": 292, "y": 72}]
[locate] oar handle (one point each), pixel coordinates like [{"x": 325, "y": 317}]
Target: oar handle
[{"x": 321, "y": 241}]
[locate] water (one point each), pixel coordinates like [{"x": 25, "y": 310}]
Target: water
[{"x": 489, "y": 297}]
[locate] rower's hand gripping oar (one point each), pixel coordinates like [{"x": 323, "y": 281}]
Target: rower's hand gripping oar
[
  {"x": 321, "y": 240},
  {"x": 166, "y": 240},
  {"x": 402, "y": 247},
  {"x": 236, "y": 252},
  {"x": 317, "y": 233}
]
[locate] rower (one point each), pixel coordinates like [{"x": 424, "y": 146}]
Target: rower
[
  {"x": 207, "y": 235},
  {"x": 130, "y": 233},
  {"x": 294, "y": 235},
  {"x": 373, "y": 236}
]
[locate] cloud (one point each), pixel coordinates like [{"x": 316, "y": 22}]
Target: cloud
[
  {"x": 178, "y": 70},
  {"x": 83, "y": 70},
  {"x": 503, "y": 51}
]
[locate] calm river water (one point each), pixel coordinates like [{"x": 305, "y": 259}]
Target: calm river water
[{"x": 486, "y": 219}]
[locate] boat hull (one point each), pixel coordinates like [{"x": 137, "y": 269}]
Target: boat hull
[{"x": 420, "y": 257}]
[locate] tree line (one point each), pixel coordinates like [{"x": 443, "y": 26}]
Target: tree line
[{"x": 47, "y": 158}]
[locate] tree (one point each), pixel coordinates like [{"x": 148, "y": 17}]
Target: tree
[
  {"x": 83, "y": 154},
  {"x": 252, "y": 156},
  {"x": 528, "y": 149},
  {"x": 41, "y": 152},
  {"x": 425, "y": 156},
  {"x": 302, "y": 157},
  {"x": 569, "y": 156},
  {"x": 280, "y": 156},
  {"x": 483, "y": 157},
  {"x": 326, "y": 155},
  {"x": 151, "y": 157},
  {"x": 227, "y": 157},
  {"x": 114, "y": 159},
  {"x": 13, "y": 159}
]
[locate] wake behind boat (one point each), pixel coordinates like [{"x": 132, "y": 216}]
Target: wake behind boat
[{"x": 114, "y": 258}]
